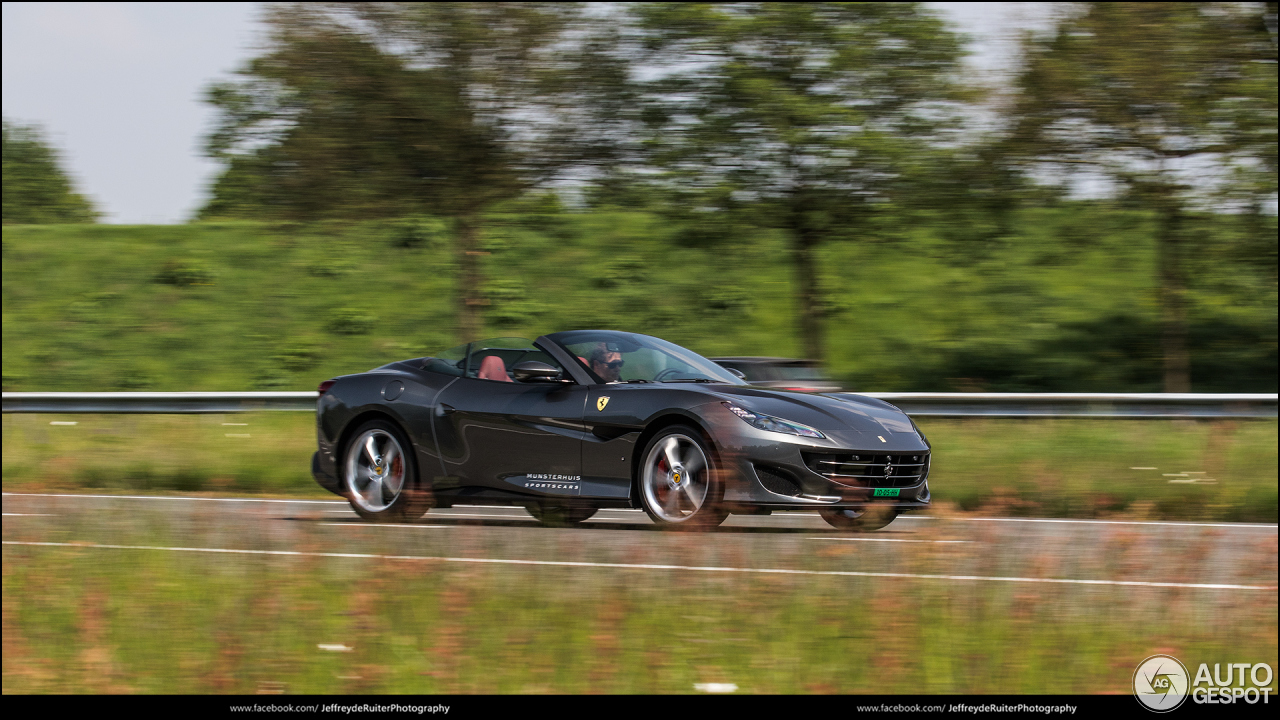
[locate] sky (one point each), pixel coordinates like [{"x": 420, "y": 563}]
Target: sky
[{"x": 118, "y": 87}]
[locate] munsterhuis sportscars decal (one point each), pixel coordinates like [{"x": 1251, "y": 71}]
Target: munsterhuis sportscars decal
[{"x": 550, "y": 483}]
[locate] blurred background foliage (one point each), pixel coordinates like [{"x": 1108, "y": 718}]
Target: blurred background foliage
[
  {"x": 36, "y": 188},
  {"x": 212, "y": 306},
  {"x": 813, "y": 180}
]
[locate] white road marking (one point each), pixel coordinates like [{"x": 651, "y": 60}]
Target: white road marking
[
  {"x": 483, "y": 515},
  {"x": 27, "y": 515},
  {"x": 442, "y": 515},
  {"x": 783, "y": 513},
  {"x": 868, "y": 539},
  {"x": 161, "y": 497},
  {"x": 513, "y": 507},
  {"x": 64, "y": 422},
  {"x": 1095, "y": 522},
  {"x": 335, "y": 647},
  {"x": 636, "y": 566},
  {"x": 390, "y": 525}
]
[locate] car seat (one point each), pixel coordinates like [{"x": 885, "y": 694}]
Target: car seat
[{"x": 492, "y": 368}]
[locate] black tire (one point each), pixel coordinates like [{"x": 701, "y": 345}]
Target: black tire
[
  {"x": 379, "y": 474},
  {"x": 695, "y": 505},
  {"x": 560, "y": 516},
  {"x": 864, "y": 519}
]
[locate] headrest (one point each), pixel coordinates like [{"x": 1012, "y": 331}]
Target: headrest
[{"x": 492, "y": 368}]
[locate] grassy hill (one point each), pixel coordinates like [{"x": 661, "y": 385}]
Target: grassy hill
[{"x": 1065, "y": 302}]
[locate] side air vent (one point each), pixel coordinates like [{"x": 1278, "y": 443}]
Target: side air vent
[{"x": 777, "y": 483}]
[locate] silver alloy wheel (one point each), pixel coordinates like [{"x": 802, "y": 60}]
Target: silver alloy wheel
[
  {"x": 375, "y": 470},
  {"x": 676, "y": 478}
]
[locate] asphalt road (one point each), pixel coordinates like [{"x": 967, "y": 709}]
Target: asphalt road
[{"x": 1219, "y": 558}]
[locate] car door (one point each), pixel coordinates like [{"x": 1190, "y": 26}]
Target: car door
[
  {"x": 613, "y": 422},
  {"x": 501, "y": 437}
]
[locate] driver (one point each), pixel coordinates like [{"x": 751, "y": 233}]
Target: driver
[{"x": 606, "y": 363}]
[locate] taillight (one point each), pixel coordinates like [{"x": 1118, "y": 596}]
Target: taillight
[{"x": 324, "y": 386}]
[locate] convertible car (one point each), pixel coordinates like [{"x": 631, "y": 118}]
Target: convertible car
[{"x": 587, "y": 419}]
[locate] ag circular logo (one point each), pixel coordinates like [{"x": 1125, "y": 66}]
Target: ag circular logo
[{"x": 1161, "y": 683}]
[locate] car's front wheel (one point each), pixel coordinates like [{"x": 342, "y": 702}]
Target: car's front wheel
[
  {"x": 859, "y": 519},
  {"x": 679, "y": 484},
  {"x": 380, "y": 476}
]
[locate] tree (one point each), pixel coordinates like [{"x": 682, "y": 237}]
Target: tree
[
  {"x": 811, "y": 109},
  {"x": 383, "y": 109},
  {"x": 36, "y": 189},
  {"x": 1157, "y": 96}
]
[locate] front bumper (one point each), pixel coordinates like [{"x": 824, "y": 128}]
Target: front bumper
[{"x": 780, "y": 476}]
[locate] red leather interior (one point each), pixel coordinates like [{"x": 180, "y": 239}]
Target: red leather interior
[{"x": 492, "y": 368}]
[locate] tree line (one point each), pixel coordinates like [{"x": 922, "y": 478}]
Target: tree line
[
  {"x": 36, "y": 188},
  {"x": 826, "y": 121}
]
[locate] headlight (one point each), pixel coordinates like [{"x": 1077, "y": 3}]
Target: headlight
[{"x": 773, "y": 424}]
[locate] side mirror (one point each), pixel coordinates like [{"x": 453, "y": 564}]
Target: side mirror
[
  {"x": 741, "y": 375},
  {"x": 534, "y": 371}
]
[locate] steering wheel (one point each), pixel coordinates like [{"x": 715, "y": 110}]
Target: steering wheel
[{"x": 664, "y": 373}]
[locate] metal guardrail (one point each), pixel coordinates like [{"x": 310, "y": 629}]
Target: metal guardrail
[
  {"x": 1116, "y": 405},
  {"x": 1015, "y": 405},
  {"x": 157, "y": 403}
]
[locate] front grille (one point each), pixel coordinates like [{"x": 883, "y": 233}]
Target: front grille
[
  {"x": 867, "y": 470},
  {"x": 775, "y": 482}
]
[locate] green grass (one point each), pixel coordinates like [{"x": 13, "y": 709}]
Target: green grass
[
  {"x": 88, "y": 620},
  {"x": 1084, "y": 468},
  {"x": 1078, "y": 468},
  {"x": 1065, "y": 303},
  {"x": 255, "y": 453}
]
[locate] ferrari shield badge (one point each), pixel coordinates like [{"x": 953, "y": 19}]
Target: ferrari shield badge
[{"x": 600, "y": 403}]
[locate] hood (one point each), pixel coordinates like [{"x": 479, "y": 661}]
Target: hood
[{"x": 847, "y": 419}]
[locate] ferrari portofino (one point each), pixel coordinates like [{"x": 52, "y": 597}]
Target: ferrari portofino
[{"x": 587, "y": 419}]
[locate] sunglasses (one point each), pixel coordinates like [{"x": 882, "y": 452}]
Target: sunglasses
[{"x": 613, "y": 365}]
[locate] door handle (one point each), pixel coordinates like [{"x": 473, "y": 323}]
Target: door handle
[{"x": 447, "y": 409}]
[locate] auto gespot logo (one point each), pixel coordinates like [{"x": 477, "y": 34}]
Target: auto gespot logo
[{"x": 1162, "y": 683}]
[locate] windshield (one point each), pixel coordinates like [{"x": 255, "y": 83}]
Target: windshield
[{"x": 627, "y": 357}]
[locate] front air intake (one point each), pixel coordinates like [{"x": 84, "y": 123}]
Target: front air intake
[
  {"x": 870, "y": 470},
  {"x": 777, "y": 483}
]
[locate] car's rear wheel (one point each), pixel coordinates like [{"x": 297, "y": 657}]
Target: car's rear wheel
[
  {"x": 680, "y": 487},
  {"x": 380, "y": 476},
  {"x": 560, "y": 516},
  {"x": 863, "y": 519}
]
